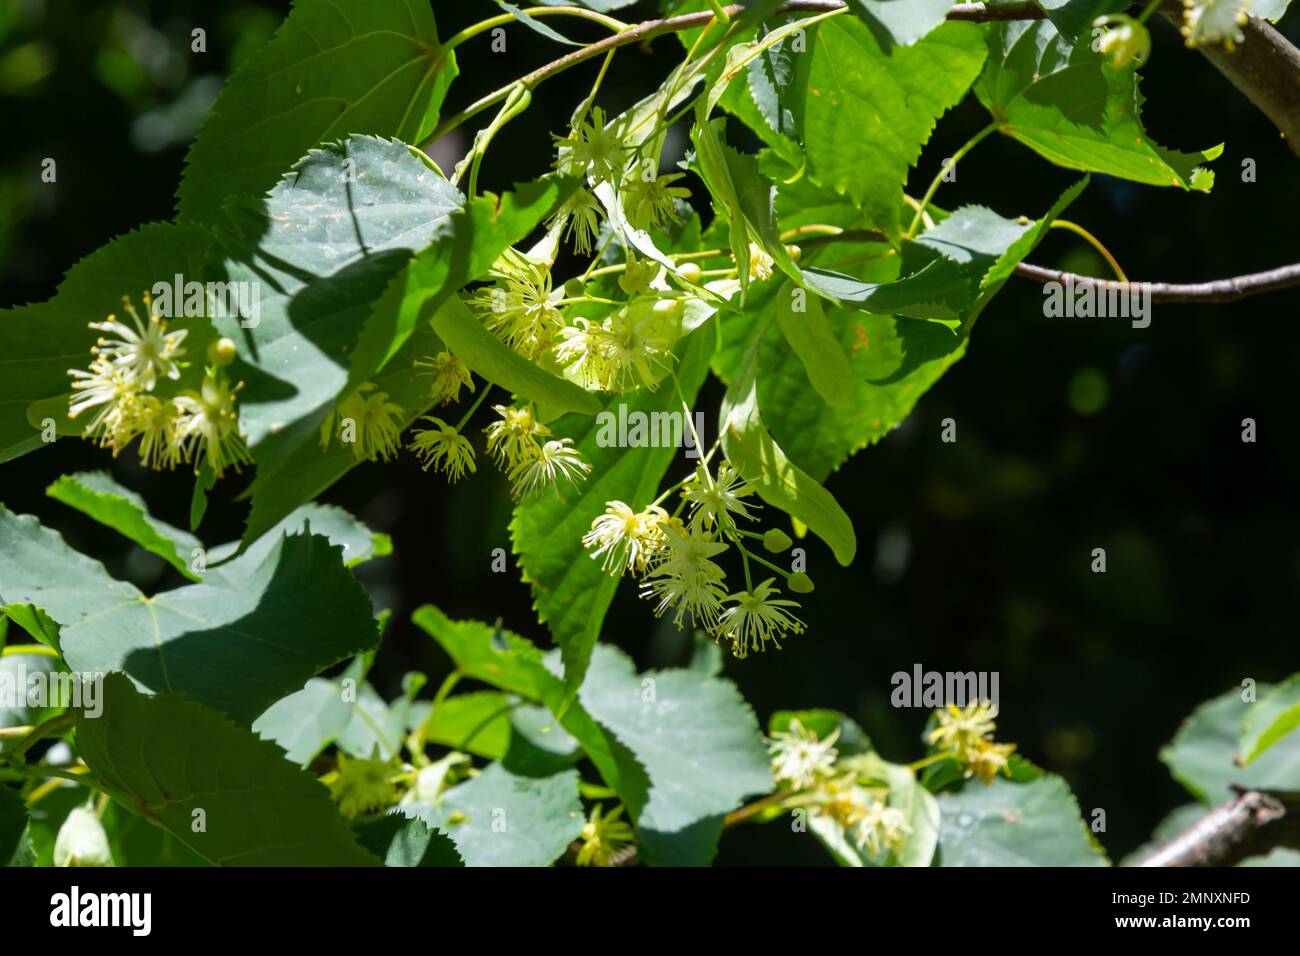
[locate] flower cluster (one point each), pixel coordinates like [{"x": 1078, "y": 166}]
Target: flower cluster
[
  {"x": 844, "y": 791},
  {"x": 121, "y": 390},
  {"x": 967, "y": 733},
  {"x": 675, "y": 559}
]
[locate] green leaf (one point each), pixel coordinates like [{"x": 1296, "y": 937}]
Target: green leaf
[
  {"x": 238, "y": 644},
  {"x": 695, "y": 738},
  {"x": 166, "y": 758},
  {"x": 570, "y": 591},
  {"x": 507, "y": 661},
  {"x": 1278, "y": 856},
  {"x": 40, "y": 343},
  {"x": 534, "y": 24},
  {"x": 304, "y": 723},
  {"x": 1271, "y": 719},
  {"x": 13, "y": 823},
  {"x": 867, "y": 113},
  {"x": 1202, "y": 755},
  {"x": 676, "y": 781},
  {"x": 814, "y": 341},
  {"x": 377, "y": 69},
  {"x": 900, "y": 22},
  {"x": 477, "y": 723},
  {"x": 402, "y": 841},
  {"x": 1015, "y": 824},
  {"x": 1064, "y": 103},
  {"x": 779, "y": 482},
  {"x": 499, "y": 819},
  {"x": 322, "y": 248},
  {"x": 469, "y": 339},
  {"x": 96, "y": 494},
  {"x": 358, "y": 542}
]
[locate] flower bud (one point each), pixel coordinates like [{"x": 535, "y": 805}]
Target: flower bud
[
  {"x": 776, "y": 540},
  {"x": 800, "y": 583},
  {"x": 690, "y": 271},
  {"x": 575, "y": 288},
  {"x": 82, "y": 841},
  {"x": 221, "y": 352},
  {"x": 1125, "y": 41}
]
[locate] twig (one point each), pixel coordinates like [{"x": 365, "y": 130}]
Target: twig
[
  {"x": 1250, "y": 823},
  {"x": 1218, "y": 290}
]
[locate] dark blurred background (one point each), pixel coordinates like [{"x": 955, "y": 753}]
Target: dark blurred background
[{"x": 1072, "y": 433}]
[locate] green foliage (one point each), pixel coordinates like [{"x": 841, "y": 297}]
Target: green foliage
[
  {"x": 1203, "y": 754},
  {"x": 238, "y": 644},
  {"x": 1015, "y": 824},
  {"x": 322, "y": 77},
  {"x": 1062, "y": 102},
  {"x": 255, "y": 809},
  {"x": 240, "y": 721}
]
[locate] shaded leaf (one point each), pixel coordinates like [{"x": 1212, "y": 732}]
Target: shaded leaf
[
  {"x": 237, "y": 644},
  {"x": 499, "y": 819},
  {"x": 1202, "y": 754},
  {"x": 165, "y": 758},
  {"x": 96, "y": 494},
  {"x": 1060, "y": 100},
  {"x": 1015, "y": 824},
  {"x": 377, "y": 68}
]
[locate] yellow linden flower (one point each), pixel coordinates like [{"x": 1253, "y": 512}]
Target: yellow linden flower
[
  {"x": 760, "y": 263},
  {"x": 604, "y": 838},
  {"x": 626, "y": 539},
  {"x": 517, "y": 309},
  {"x": 367, "y": 422},
  {"x": 143, "y": 352},
  {"x": 443, "y": 448},
  {"x": 686, "y": 578},
  {"x": 714, "y": 501},
  {"x": 157, "y": 421},
  {"x": 581, "y": 213},
  {"x": 649, "y": 203},
  {"x": 1214, "y": 21},
  {"x": 592, "y": 150},
  {"x": 449, "y": 376},
  {"x": 799, "y": 758},
  {"x": 109, "y": 389},
  {"x": 755, "y": 618},
  {"x": 513, "y": 441},
  {"x": 554, "y": 461},
  {"x": 207, "y": 426},
  {"x": 988, "y": 759},
  {"x": 881, "y": 828},
  {"x": 962, "y": 730}
]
